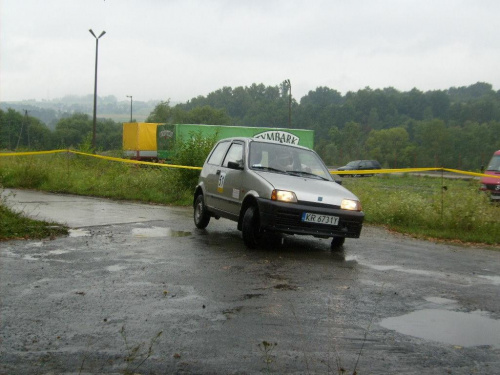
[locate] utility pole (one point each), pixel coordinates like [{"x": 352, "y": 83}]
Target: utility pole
[
  {"x": 95, "y": 87},
  {"x": 289, "y": 86},
  {"x": 27, "y": 126},
  {"x": 130, "y": 96},
  {"x": 22, "y": 126}
]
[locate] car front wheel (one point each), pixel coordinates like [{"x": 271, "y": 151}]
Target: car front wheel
[
  {"x": 201, "y": 215},
  {"x": 251, "y": 228}
]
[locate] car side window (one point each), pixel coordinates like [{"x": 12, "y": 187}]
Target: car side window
[
  {"x": 235, "y": 154},
  {"x": 218, "y": 153}
]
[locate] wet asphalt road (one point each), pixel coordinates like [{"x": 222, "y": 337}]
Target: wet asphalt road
[{"x": 136, "y": 288}]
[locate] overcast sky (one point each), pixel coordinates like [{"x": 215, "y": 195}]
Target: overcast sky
[{"x": 179, "y": 49}]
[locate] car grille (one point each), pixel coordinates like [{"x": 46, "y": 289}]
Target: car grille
[
  {"x": 318, "y": 204},
  {"x": 492, "y": 187},
  {"x": 289, "y": 220}
]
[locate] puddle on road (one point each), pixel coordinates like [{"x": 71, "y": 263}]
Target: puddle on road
[
  {"x": 79, "y": 233},
  {"x": 440, "y": 300},
  {"x": 402, "y": 269},
  {"x": 58, "y": 252},
  {"x": 494, "y": 279},
  {"x": 30, "y": 257},
  {"x": 116, "y": 268},
  {"x": 449, "y": 327},
  {"x": 158, "y": 232}
]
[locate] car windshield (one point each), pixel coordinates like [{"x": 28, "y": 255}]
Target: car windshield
[
  {"x": 281, "y": 158},
  {"x": 353, "y": 163},
  {"x": 494, "y": 164}
]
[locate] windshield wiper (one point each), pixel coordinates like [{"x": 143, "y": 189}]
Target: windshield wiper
[
  {"x": 301, "y": 173},
  {"x": 267, "y": 168}
]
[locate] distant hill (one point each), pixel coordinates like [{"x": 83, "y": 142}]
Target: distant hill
[{"x": 51, "y": 111}]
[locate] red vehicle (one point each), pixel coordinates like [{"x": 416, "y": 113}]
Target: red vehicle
[{"x": 492, "y": 184}]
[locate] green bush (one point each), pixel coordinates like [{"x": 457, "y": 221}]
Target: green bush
[
  {"x": 28, "y": 173},
  {"x": 190, "y": 152}
]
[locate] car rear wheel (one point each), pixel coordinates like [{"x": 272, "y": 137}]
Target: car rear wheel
[
  {"x": 201, "y": 215},
  {"x": 251, "y": 228},
  {"x": 337, "y": 243}
]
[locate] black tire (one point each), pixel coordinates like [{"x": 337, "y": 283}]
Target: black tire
[
  {"x": 337, "y": 243},
  {"x": 200, "y": 215},
  {"x": 251, "y": 228}
]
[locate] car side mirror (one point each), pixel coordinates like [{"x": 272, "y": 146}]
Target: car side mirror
[{"x": 234, "y": 165}]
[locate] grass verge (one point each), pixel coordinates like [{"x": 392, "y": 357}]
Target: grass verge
[
  {"x": 425, "y": 207},
  {"x": 429, "y": 207},
  {"x": 15, "y": 226}
]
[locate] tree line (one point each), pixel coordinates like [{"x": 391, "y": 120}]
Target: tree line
[
  {"x": 23, "y": 132},
  {"x": 454, "y": 128},
  {"x": 51, "y": 111}
]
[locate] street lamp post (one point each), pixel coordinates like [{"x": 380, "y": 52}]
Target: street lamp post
[
  {"x": 130, "y": 96},
  {"x": 95, "y": 86}
]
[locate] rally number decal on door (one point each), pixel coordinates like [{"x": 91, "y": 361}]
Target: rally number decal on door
[{"x": 220, "y": 185}]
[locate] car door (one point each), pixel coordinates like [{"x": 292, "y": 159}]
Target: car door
[
  {"x": 363, "y": 165},
  {"x": 211, "y": 174},
  {"x": 230, "y": 179}
]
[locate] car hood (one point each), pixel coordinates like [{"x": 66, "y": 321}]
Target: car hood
[
  {"x": 494, "y": 179},
  {"x": 309, "y": 189}
]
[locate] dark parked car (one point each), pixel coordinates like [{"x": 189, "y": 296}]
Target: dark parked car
[
  {"x": 273, "y": 188},
  {"x": 360, "y": 165}
]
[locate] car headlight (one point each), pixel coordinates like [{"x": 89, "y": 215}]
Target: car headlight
[
  {"x": 350, "y": 204},
  {"x": 284, "y": 196}
]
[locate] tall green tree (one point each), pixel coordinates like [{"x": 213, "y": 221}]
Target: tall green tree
[
  {"x": 23, "y": 131},
  {"x": 162, "y": 113},
  {"x": 201, "y": 115},
  {"x": 390, "y": 147},
  {"x": 434, "y": 144},
  {"x": 71, "y": 131}
]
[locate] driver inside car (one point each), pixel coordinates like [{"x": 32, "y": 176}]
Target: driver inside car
[{"x": 282, "y": 160}]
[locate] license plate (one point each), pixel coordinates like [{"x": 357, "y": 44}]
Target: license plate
[{"x": 320, "y": 219}]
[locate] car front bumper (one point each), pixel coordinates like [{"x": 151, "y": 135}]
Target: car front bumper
[
  {"x": 492, "y": 191},
  {"x": 495, "y": 196},
  {"x": 287, "y": 218}
]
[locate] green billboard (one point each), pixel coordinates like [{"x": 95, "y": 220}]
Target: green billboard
[{"x": 168, "y": 135}]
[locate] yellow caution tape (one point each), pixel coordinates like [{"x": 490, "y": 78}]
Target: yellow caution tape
[
  {"x": 408, "y": 170},
  {"x": 31, "y": 153},
  {"x": 379, "y": 171},
  {"x": 467, "y": 173},
  {"x": 130, "y": 161}
]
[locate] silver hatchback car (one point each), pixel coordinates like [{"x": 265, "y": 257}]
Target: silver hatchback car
[{"x": 270, "y": 187}]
